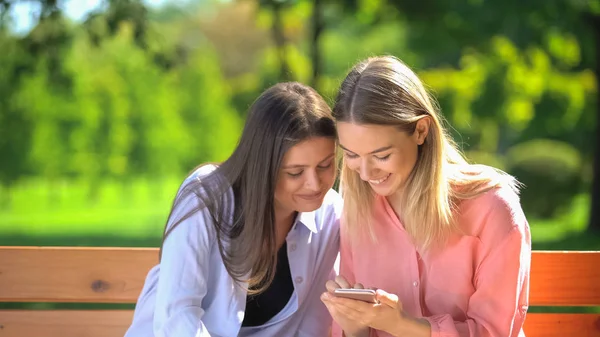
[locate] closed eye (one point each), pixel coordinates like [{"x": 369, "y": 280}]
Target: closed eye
[
  {"x": 295, "y": 175},
  {"x": 350, "y": 155},
  {"x": 326, "y": 166},
  {"x": 384, "y": 158}
]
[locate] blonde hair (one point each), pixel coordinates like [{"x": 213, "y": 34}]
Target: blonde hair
[{"x": 384, "y": 91}]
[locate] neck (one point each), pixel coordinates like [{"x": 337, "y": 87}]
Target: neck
[
  {"x": 283, "y": 223},
  {"x": 395, "y": 201}
]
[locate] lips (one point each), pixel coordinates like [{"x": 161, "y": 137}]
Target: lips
[
  {"x": 311, "y": 196},
  {"x": 379, "y": 181}
]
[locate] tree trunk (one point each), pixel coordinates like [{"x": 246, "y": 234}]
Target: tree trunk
[
  {"x": 315, "y": 54},
  {"x": 4, "y": 9},
  {"x": 279, "y": 38},
  {"x": 594, "y": 224}
]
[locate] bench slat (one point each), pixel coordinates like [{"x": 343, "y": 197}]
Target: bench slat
[
  {"x": 114, "y": 323},
  {"x": 116, "y": 275},
  {"x": 66, "y": 274},
  {"x": 64, "y": 323},
  {"x": 565, "y": 279},
  {"x": 561, "y": 325}
]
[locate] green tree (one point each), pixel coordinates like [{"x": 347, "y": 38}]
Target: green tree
[
  {"x": 545, "y": 24},
  {"x": 117, "y": 13},
  {"x": 47, "y": 110},
  {"x": 211, "y": 122},
  {"x": 15, "y": 127},
  {"x": 278, "y": 33}
]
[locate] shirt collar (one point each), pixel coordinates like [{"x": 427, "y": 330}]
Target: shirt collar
[{"x": 308, "y": 220}]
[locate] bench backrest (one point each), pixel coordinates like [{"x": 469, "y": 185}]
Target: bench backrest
[{"x": 116, "y": 275}]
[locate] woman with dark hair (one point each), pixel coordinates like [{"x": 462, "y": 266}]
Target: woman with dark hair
[{"x": 250, "y": 243}]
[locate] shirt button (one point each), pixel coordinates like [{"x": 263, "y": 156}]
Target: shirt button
[
  {"x": 415, "y": 284},
  {"x": 293, "y": 247},
  {"x": 299, "y": 279}
]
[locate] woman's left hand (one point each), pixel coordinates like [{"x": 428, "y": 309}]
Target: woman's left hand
[{"x": 386, "y": 316}]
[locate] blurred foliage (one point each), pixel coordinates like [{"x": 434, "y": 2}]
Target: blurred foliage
[
  {"x": 551, "y": 172},
  {"x": 136, "y": 92}
]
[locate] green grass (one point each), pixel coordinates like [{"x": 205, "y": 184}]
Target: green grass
[
  {"x": 131, "y": 209},
  {"x": 133, "y": 213}
]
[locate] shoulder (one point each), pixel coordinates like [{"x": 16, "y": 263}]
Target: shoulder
[
  {"x": 493, "y": 215},
  {"x": 200, "y": 186},
  {"x": 201, "y": 172},
  {"x": 202, "y": 179}
]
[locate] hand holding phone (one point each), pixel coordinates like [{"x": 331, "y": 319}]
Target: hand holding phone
[{"x": 365, "y": 295}]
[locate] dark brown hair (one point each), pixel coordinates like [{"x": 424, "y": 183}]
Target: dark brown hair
[{"x": 282, "y": 116}]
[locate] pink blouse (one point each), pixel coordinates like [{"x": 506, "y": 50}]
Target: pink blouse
[{"x": 478, "y": 285}]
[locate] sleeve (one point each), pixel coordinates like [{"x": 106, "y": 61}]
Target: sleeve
[
  {"x": 500, "y": 302},
  {"x": 182, "y": 282}
]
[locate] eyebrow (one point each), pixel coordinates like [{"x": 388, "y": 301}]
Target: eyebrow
[
  {"x": 381, "y": 149},
  {"x": 303, "y": 166}
]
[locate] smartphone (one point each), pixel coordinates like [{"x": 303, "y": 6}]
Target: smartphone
[{"x": 365, "y": 295}]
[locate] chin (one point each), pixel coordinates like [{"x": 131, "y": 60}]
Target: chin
[
  {"x": 309, "y": 206},
  {"x": 385, "y": 191}
]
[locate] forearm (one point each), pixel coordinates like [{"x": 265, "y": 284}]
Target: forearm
[{"x": 361, "y": 333}]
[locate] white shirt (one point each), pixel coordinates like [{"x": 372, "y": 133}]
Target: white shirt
[{"x": 190, "y": 293}]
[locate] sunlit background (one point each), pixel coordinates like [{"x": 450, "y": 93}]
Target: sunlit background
[{"x": 105, "y": 106}]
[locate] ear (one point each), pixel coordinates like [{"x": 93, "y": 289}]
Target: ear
[{"x": 422, "y": 129}]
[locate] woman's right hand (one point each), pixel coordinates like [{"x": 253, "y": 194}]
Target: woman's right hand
[{"x": 350, "y": 327}]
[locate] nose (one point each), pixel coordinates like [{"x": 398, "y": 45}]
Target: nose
[
  {"x": 313, "y": 182},
  {"x": 365, "y": 169}
]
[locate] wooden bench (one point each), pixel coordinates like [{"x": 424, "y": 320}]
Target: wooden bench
[{"x": 116, "y": 275}]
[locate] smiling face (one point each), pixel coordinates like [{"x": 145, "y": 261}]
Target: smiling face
[
  {"x": 307, "y": 173},
  {"x": 382, "y": 155}
]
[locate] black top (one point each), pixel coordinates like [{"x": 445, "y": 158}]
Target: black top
[{"x": 262, "y": 307}]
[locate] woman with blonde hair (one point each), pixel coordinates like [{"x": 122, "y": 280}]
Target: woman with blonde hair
[{"x": 445, "y": 243}]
